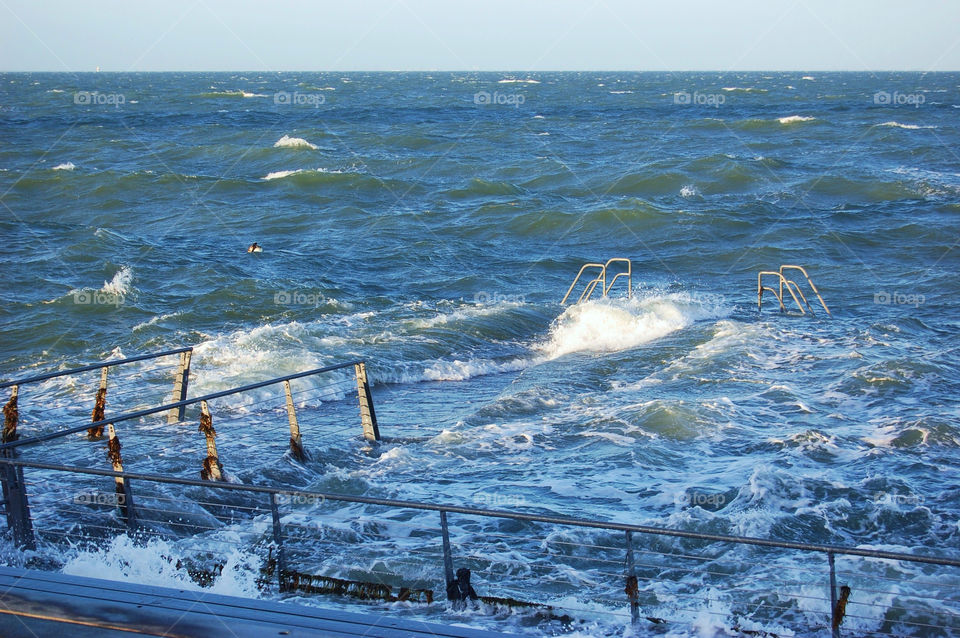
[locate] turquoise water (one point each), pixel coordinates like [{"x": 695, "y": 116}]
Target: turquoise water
[{"x": 431, "y": 223}]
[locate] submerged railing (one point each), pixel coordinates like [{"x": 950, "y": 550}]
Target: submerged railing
[
  {"x": 792, "y": 287},
  {"x": 31, "y": 404},
  {"x": 553, "y": 568}
]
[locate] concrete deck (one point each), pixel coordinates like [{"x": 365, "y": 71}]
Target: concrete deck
[{"x": 36, "y": 604}]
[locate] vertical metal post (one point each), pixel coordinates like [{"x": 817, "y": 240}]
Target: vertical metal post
[
  {"x": 833, "y": 596},
  {"x": 368, "y": 417},
  {"x": 17, "y": 507},
  {"x": 632, "y": 589},
  {"x": 180, "y": 382},
  {"x": 278, "y": 541},
  {"x": 447, "y": 556},
  {"x": 212, "y": 468},
  {"x": 296, "y": 444},
  {"x": 123, "y": 491},
  {"x": 11, "y": 416},
  {"x": 99, "y": 407}
]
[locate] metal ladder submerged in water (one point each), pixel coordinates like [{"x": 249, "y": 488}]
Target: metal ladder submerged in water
[
  {"x": 601, "y": 279},
  {"x": 792, "y": 287}
]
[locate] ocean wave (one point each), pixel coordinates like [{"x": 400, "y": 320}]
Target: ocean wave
[
  {"x": 746, "y": 89},
  {"x": 121, "y": 282},
  {"x": 616, "y": 325},
  {"x": 66, "y": 166},
  {"x": 235, "y": 93},
  {"x": 517, "y": 81},
  {"x": 795, "y": 119},
  {"x": 688, "y": 191},
  {"x": 299, "y": 171},
  {"x": 912, "y": 127},
  {"x": 293, "y": 142}
]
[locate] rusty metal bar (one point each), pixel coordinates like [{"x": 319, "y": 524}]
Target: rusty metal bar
[
  {"x": 99, "y": 407},
  {"x": 632, "y": 588},
  {"x": 368, "y": 417},
  {"x": 834, "y": 622},
  {"x": 11, "y": 416},
  {"x": 16, "y": 505},
  {"x": 123, "y": 491},
  {"x": 296, "y": 444},
  {"x": 180, "y": 382},
  {"x": 212, "y": 467}
]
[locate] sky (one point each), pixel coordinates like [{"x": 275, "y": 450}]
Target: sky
[{"x": 516, "y": 35}]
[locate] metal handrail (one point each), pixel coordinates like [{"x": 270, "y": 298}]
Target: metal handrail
[
  {"x": 175, "y": 405},
  {"x": 601, "y": 279},
  {"x": 519, "y": 516},
  {"x": 809, "y": 281},
  {"x": 95, "y": 366},
  {"x": 779, "y": 296},
  {"x": 603, "y": 274}
]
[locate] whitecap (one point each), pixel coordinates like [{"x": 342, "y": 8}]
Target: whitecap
[
  {"x": 689, "y": 191},
  {"x": 120, "y": 284},
  {"x": 912, "y": 127},
  {"x": 294, "y": 142},
  {"x": 793, "y": 119},
  {"x": 516, "y": 81},
  {"x": 66, "y": 166}
]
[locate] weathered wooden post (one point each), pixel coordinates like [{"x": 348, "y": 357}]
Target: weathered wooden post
[
  {"x": 447, "y": 554},
  {"x": 296, "y": 445},
  {"x": 212, "y": 468},
  {"x": 11, "y": 416},
  {"x": 368, "y": 417},
  {"x": 99, "y": 407},
  {"x": 123, "y": 491},
  {"x": 180, "y": 382}
]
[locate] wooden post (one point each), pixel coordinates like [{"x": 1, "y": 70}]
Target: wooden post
[
  {"x": 11, "y": 416},
  {"x": 212, "y": 468},
  {"x": 99, "y": 407},
  {"x": 124, "y": 494},
  {"x": 296, "y": 444},
  {"x": 368, "y": 417},
  {"x": 180, "y": 382}
]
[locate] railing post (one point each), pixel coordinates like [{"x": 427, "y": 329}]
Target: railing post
[
  {"x": 212, "y": 467},
  {"x": 368, "y": 417},
  {"x": 447, "y": 556},
  {"x": 632, "y": 589},
  {"x": 16, "y": 505},
  {"x": 180, "y": 382},
  {"x": 834, "y": 621},
  {"x": 99, "y": 407},
  {"x": 123, "y": 490},
  {"x": 11, "y": 416},
  {"x": 296, "y": 444},
  {"x": 278, "y": 541}
]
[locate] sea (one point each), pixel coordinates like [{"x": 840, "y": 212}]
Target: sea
[{"x": 430, "y": 224}]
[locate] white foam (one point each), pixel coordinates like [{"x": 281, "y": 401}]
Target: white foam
[
  {"x": 615, "y": 325},
  {"x": 793, "y": 119},
  {"x": 154, "y": 320},
  {"x": 282, "y": 174},
  {"x": 294, "y": 142},
  {"x": 906, "y": 126},
  {"x": 620, "y": 92},
  {"x": 689, "y": 190},
  {"x": 809, "y": 78},
  {"x": 516, "y": 81},
  {"x": 538, "y": 117},
  {"x": 66, "y": 166},
  {"x": 120, "y": 284}
]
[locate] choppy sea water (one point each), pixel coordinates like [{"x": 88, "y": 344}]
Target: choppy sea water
[{"x": 430, "y": 224}]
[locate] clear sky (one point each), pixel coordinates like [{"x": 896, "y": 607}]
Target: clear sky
[{"x": 519, "y": 35}]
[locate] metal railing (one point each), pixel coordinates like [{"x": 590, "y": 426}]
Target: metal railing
[
  {"x": 792, "y": 287},
  {"x": 44, "y": 409},
  {"x": 601, "y": 279},
  {"x": 544, "y": 565}
]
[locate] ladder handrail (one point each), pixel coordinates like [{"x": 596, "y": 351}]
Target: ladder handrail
[
  {"x": 809, "y": 282},
  {"x": 603, "y": 274},
  {"x": 601, "y": 279},
  {"x": 761, "y": 288}
]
